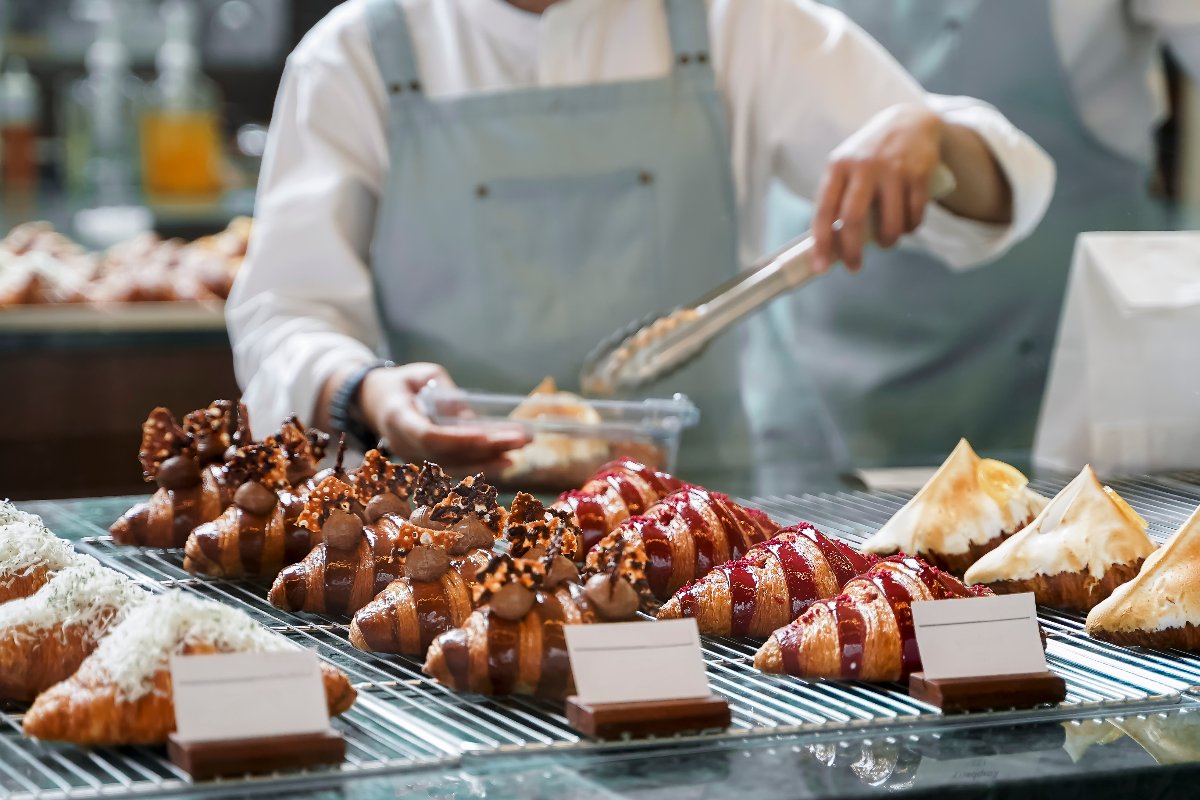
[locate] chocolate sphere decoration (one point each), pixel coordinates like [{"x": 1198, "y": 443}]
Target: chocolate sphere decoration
[
  {"x": 473, "y": 535},
  {"x": 254, "y": 498},
  {"x": 178, "y": 472},
  {"x": 386, "y": 503},
  {"x": 422, "y": 517},
  {"x": 426, "y": 563},
  {"x": 342, "y": 531},
  {"x": 614, "y": 600},
  {"x": 512, "y": 601},
  {"x": 537, "y": 551},
  {"x": 562, "y": 570}
]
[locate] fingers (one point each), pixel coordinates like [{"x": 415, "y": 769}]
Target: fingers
[
  {"x": 829, "y": 201},
  {"x": 412, "y": 433},
  {"x": 917, "y": 200},
  {"x": 854, "y": 214},
  {"x": 419, "y": 374},
  {"x": 891, "y": 210}
]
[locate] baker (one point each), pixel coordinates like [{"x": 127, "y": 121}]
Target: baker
[{"x": 479, "y": 191}]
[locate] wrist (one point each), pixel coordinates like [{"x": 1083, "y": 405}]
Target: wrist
[{"x": 346, "y": 408}]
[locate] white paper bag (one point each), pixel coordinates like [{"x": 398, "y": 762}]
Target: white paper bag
[{"x": 1124, "y": 387}]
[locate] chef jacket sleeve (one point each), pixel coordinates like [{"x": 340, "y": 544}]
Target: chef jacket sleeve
[
  {"x": 815, "y": 78},
  {"x": 302, "y": 305},
  {"x": 1178, "y": 23}
]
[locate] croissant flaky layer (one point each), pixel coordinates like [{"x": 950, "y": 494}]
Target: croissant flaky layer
[
  {"x": 683, "y": 537},
  {"x": 618, "y": 491},
  {"x": 770, "y": 586},
  {"x": 14, "y": 587},
  {"x": 240, "y": 543},
  {"x": 166, "y": 519},
  {"x": 865, "y": 633},
  {"x": 1074, "y": 591},
  {"x": 408, "y": 615},
  {"x": 32, "y": 661},
  {"x": 86, "y": 710},
  {"x": 339, "y": 582},
  {"x": 490, "y": 655}
]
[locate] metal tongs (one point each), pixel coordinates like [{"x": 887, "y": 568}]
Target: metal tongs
[{"x": 656, "y": 346}]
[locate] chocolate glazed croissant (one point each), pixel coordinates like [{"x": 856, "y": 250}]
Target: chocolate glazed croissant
[
  {"x": 866, "y": 633},
  {"x": 770, "y": 586},
  {"x": 618, "y": 491},
  {"x": 185, "y": 463},
  {"x": 253, "y": 536},
  {"x": 682, "y": 537},
  {"x": 514, "y": 643}
]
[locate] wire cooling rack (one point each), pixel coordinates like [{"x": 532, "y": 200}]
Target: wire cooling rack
[{"x": 405, "y": 720}]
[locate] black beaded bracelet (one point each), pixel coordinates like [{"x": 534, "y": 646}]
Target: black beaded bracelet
[{"x": 345, "y": 411}]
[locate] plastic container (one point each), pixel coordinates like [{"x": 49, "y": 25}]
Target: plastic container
[{"x": 571, "y": 437}]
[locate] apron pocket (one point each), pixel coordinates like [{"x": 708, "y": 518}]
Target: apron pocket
[{"x": 565, "y": 260}]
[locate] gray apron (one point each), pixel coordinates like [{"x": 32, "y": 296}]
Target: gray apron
[
  {"x": 519, "y": 228},
  {"x": 894, "y": 364}
]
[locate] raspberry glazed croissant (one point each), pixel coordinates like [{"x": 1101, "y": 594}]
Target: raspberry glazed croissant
[
  {"x": 185, "y": 462},
  {"x": 681, "y": 538},
  {"x": 770, "y": 586},
  {"x": 357, "y": 558},
  {"x": 618, "y": 491},
  {"x": 121, "y": 695},
  {"x": 514, "y": 642},
  {"x": 253, "y": 536},
  {"x": 865, "y": 633},
  {"x": 29, "y": 553},
  {"x": 436, "y": 592},
  {"x": 46, "y": 636}
]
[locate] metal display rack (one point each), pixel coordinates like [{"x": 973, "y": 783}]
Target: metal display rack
[{"x": 405, "y": 720}]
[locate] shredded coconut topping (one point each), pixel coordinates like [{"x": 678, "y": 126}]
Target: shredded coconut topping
[
  {"x": 84, "y": 594},
  {"x": 26, "y": 545},
  {"x": 138, "y": 649}
]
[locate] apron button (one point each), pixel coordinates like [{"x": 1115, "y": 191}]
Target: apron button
[
  {"x": 481, "y": 190},
  {"x": 702, "y": 58},
  {"x": 396, "y": 88},
  {"x": 953, "y": 24},
  {"x": 415, "y": 86},
  {"x": 684, "y": 58},
  {"x": 1026, "y": 347},
  {"x": 645, "y": 178}
]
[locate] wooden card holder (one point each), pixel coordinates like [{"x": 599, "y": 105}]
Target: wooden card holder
[
  {"x": 236, "y": 757},
  {"x": 650, "y": 718},
  {"x": 988, "y": 692}
]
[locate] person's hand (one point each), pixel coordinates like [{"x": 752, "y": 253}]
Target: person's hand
[
  {"x": 389, "y": 402},
  {"x": 884, "y": 168}
]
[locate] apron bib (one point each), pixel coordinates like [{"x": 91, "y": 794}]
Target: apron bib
[
  {"x": 519, "y": 228},
  {"x": 894, "y": 364}
]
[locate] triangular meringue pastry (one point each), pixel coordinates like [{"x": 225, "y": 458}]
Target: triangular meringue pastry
[
  {"x": 1161, "y": 606},
  {"x": 967, "y": 508},
  {"x": 1083, "y": 545}
]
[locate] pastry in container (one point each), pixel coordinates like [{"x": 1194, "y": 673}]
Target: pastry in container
[
  {"x": 1083, "y": 545},
  {"x": 967, "y": 508}
]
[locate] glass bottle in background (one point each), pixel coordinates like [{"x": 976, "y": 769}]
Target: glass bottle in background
[
  {"x": 181, "y": 145},
  {"x": 100, "y": 118},
  {"x": 19, "y": 107}
]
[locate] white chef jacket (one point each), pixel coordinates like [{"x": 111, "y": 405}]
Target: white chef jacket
[{"x": 796, "y": 79}]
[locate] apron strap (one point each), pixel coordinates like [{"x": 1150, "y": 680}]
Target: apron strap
[
  {"x": 687, "y": 21},
  {"x": 392, "y": 44}
]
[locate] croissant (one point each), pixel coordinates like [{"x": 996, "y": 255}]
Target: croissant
[
  {"x": 29, "y": 553},
  {"x": 437, "y": 593},
  {"x": 770, "y": 586},
  {"x": 185, "y": 463},
  {"x": 682, "y": 537},
  {"x": 620, "y": 490},
  {"x": 46, "y": 636},
  {"x": 356, "y": 560},
  {"x": 866, "y": 633},
  {"x": 121, "y": 695}
]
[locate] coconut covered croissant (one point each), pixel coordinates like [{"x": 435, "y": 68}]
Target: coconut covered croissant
[
  {"x": 681, "y": 538},
  {"x": 46, "y": 636},
  {"x": 360, "y": 555},
  {"x": 436, "y": 592},
  {"x": 866, "y": 633},
  {"x": 770, "y": 586},
  {"x": 29, "y": 553},
  {"x": 514, "y": 642},
  {"x": 185, "y": 462},
  {"x": 620, "y": 490},
  {"x": 121, "y": 695}
]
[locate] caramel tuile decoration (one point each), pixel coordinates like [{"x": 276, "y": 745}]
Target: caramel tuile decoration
[
  {"x": 431, "y": 485},
  {"x": 263, "y": 463},
  {"x": 502, "y": 570},
  {"x": 225, "y": 421},
  {"x": 472, "y": 497},
  {"x": 377, "y": 476},
  {"x": 162, "y": 438},
  {"x": 531, "y": 524},
  {"x": 329, "y": 495}
]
